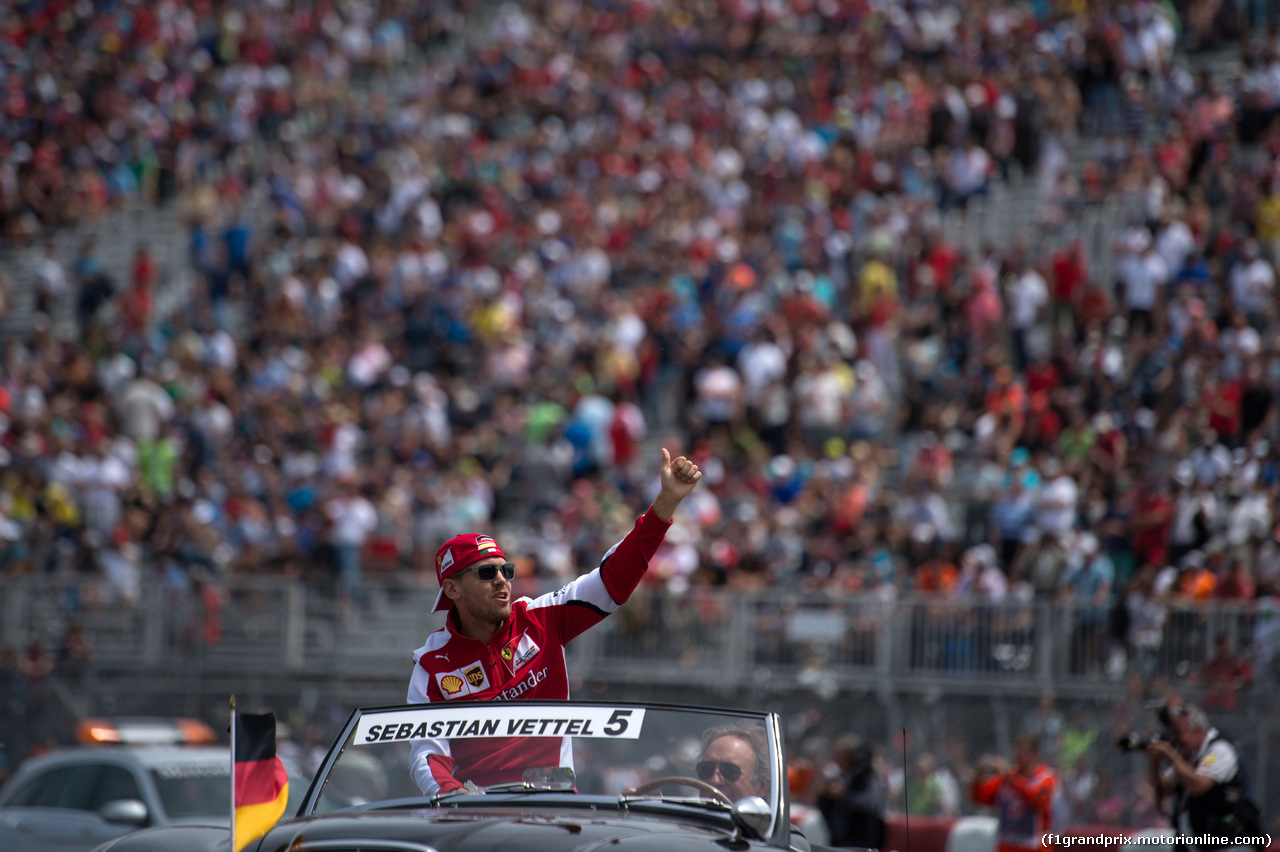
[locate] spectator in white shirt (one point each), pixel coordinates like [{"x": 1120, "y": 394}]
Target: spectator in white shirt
[
  {"x": 1174, "y": 241},
  {"x": 1056, "y": 510},
  {"x": 1027, "y": 302},
  {"x": 761, "y": 363},
  {"x": 351, "y": 519},
  {"x": 719, "y": 390},
  {"x": 1144, "y": 277},
  {"x": 143, "y": 408},
  {"x": 1211, "y": 460},
  {"x": 51, "y": 281},
  {"x": 819, "y": 398},
  {"x": 1252, "y": 282}
]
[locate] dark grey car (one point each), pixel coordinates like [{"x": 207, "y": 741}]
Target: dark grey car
[
  {"x": 630, "y": 777},
  {"x": 76, "y": 799}
]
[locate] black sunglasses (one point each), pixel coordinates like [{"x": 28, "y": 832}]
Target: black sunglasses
[
  {"x": 730, "y": 772},
  {"x": 487, "y": 573}
]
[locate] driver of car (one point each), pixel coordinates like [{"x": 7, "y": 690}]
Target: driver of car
[{"x": 735, "y": 760}]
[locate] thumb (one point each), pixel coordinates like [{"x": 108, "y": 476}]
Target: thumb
[{"x": 666, "y": 457}]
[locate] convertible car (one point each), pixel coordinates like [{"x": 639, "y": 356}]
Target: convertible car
[{"x": 467, "y": 776}]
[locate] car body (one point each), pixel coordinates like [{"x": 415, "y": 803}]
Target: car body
[
  {"x": 627, "y": 784},
  {"x": 74, "y": 799}
]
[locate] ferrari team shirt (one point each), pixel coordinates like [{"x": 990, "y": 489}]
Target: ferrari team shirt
[{"x": 524, "y": 661}]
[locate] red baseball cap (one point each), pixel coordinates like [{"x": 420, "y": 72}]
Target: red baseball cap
[{"x": 459, "y": 553}]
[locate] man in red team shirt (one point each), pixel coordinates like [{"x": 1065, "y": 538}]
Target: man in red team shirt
[
  {"x": 1022, "y": 795},
  {"x": 494, "y": 648}
]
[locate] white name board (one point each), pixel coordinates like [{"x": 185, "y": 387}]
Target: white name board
[{"x": 513, "y": 719}]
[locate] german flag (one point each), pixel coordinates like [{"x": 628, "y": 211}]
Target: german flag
[{"x": 261, "y": 784}]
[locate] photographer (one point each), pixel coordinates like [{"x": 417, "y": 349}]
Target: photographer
[{"x": 1202, "y": 771}]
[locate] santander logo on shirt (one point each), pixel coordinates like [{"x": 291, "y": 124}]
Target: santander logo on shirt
[{"x": 534, "y": 678}]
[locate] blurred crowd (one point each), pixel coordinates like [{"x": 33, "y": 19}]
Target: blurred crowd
[
  {"x": 506, "y": 256},
  {"x": 846, "y": 777}
]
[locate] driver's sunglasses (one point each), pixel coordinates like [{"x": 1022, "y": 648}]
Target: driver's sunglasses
[
  {"x": 487, "y": 573},
  {"x": 730, "y": 772}
]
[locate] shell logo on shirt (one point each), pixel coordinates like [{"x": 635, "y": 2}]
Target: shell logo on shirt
[{"x": 463, "y": 681}]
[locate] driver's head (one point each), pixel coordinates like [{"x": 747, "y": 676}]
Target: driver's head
[
  {"x": 459, "y": 561},
  {"x": 735, "y": 760}
]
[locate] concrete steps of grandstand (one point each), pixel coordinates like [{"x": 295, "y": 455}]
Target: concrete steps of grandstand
[
  {"x": 117, "y": 236},
  {"x": 1219, "y": 62},
  {"x": 1007, "y": 214}
]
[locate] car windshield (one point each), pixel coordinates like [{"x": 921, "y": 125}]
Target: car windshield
[
  {"x": 712, "y": 758},
  {"x": 194, "y": 790},
  {"x": 201, "y": 792}
]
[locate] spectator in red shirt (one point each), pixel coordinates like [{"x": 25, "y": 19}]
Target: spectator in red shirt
[
  {"x": 1043, "y": 424},
  {"x": 1022, "y": 795},
  {"x": 1110, "y": 448},
  {"x": 941, "y": 257},
  {"x": 1222, "y": 400},
  {"x": 1042, "y": 375},
  {"x": 1223, "y": 676},
  {"x": 1152, "y": 519},
  {"x": 1068, "y": 272},
  {"x": 1097, "y": 305},
  {"x": 1238, "y": 585},
  {"x": 136, "y": 305}
]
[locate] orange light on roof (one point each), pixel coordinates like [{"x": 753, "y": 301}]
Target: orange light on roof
[
  {"x": 97, "y": 731},
  {"x": 195, "y": 732},
  {"x": 145, "y": 731}
]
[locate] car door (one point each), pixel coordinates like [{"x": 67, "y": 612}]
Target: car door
[
  {"x": 57, "y": 810},
  {"x": 113, "y": 784}
]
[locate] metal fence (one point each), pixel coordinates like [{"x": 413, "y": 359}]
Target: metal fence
[
  {"x": 718, "y": 636},
  {"x": 959, "y": 679}
]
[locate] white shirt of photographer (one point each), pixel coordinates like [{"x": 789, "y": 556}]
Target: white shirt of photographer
[{"x": 1217, "y": 759}]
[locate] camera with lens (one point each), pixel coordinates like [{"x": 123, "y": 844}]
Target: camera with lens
[
  {"x": 1165, "y": 714},
  {"x": 1133, "y": 741}
]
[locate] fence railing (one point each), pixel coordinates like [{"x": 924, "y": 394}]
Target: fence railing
[
  {"x": 959, "y": 675},
  {"x": 705, "y": 636}
]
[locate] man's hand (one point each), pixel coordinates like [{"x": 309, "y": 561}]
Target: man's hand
[
  {"x": 1163, "y": 749},
  {"x": 990, "y": 764},
  {"x": 1185, "y": 773},
  {"x": 678, "y": 477}
]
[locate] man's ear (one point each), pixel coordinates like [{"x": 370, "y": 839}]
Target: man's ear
[{"x": 452, "y": 590}]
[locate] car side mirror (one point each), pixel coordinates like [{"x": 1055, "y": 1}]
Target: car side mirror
[
  {"x": 751, "y": 816},
  {"x": 124, "y": 812}
]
